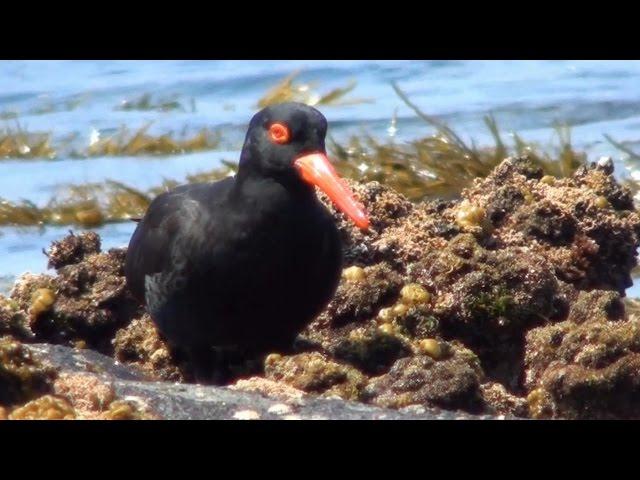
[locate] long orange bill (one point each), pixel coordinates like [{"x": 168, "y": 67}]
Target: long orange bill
[{"x": 316, "y": 169}]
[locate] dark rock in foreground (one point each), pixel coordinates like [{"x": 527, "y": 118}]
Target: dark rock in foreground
[{"x": 189, "y": 402}]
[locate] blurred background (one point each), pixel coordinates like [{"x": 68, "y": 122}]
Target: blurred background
[{"x": 87, "y": 144}]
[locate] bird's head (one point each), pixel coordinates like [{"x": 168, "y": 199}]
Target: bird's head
[{"x": 287, "y": 141}]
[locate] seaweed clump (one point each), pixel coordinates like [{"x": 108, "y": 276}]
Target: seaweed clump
[
  {"x": 139, "y": 142},
  {"x": 95, "y": 204},
  {"x": 441, "y": 164},
  {"x": 22, "y": 377},
  {"x": 149, "y": 102},
  {"x": 22, "y": 144},
  {"x": 30, "y": 389},
  {"x": 288, "y": 90}
]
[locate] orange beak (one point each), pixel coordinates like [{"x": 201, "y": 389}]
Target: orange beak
[{"x": 316, "y": 169}]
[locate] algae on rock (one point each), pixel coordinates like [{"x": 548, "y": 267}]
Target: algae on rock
[{"x": 506, "y": 301}]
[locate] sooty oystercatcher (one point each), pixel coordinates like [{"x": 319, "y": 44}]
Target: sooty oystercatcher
[{"x": 250, "y": 260}]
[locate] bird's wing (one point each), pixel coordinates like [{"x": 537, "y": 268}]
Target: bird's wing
[{"x": 168, "y": 234}]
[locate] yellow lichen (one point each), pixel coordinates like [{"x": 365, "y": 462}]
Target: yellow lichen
[
  {"x": 400, "y": 309},
  {"x": 353, "y": 274},
  {"x": 41, "y": 301},
  {"x": 431, "y": 347},
  {"x": 414, "y": 294},
  {"x": 47, "y": 407},
  {"x": 388, "y": 328},
  {"x": 385, "y": 315},
  {"x": 528, "y": 197},
  {"x": 548, "y": 179},
  {"x": 272, "y": 359},
  {"x": 602, "y": 202},
  {"x": 121, "y": 410},
  {"x": 470, "y": 215},
  {"x": 538, "y": 403}
]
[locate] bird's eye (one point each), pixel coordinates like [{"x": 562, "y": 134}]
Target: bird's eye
[{"x": 279, "y": 133}]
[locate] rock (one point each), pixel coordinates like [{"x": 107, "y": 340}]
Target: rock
[
  {"x": 451, "y": 382},
  {"x": 507, "y": 301},
  {"x": 312, "y": 372},
  {"x": 584, "y": 371},
  {"x": 197, "y": 402}
]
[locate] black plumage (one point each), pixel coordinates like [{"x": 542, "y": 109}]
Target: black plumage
[{"x": 250, "y": 260}]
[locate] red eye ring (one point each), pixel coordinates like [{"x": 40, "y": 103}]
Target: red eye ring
[{"x": 279, "y": 133}]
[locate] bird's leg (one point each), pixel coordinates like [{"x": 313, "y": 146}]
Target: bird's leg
[
  {"x": 207, "y": 365},
  {"x": 243, "y": 362}
]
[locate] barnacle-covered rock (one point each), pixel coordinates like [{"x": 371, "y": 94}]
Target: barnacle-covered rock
[
  {"x": 86, "y": 301},
  {"x": 588, "y": 370},
  {"x": 452, "y": 382},
  {"x": 32, "y": 389},
  {"x": 314, "y": 373},
  {"x": 372, "y": 350},
  {"x": 25, "y": 292},
  {"x": 596, "y": 305},
  {"x": 13, "y": 320},
  {"x": 519, "y": 251},
  {"x": 356, "y": 301},
  {"x": 73, "y": 249},
  {"x": 385, "y": 208},
  {"x": 584, "y": 226},
  {"x": 486, "y": 294},
  {"x": 86, "y": 393},
  {"x": 140, "y": 344},
  {"x": 499, "y": 400}
]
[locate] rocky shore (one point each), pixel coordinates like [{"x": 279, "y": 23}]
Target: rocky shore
[{"x": 505, "y": 303}]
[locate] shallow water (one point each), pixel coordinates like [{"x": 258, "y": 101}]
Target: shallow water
[{"x": 75, "y": 97}]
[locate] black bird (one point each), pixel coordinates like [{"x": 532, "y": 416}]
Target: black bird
[{"x": 250, "y": 260}]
